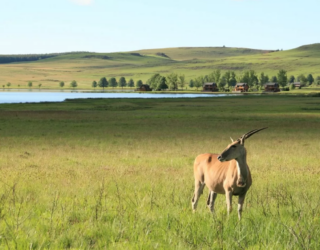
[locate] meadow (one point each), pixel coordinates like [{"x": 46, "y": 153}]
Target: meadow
[
  {"x": 118, "y": 174},
  {"x": 85, "y": 67}
]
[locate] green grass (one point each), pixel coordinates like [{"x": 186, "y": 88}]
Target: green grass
[
  {"x": 118, "y": 174},
  {"x": 84, "y": 67}
]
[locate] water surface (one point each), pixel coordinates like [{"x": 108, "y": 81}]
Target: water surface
[{"x": 51, "y": 96}]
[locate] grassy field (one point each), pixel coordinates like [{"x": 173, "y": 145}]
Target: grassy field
[
  {"x": 84, "y": 67},
  {"x": 118, "y": 174}
]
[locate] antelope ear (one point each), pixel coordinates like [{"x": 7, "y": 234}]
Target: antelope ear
[{"x": 231, "y": 139}]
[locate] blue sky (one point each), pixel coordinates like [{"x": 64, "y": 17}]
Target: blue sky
[{"x": 45, "y": 26}]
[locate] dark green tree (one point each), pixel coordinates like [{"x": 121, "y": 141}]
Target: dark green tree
[
  {"x": 29, "y": 84},
  {"x": 94, "y": 84},
  {"x": 8, "y": 84},
  {"x": 263, "y": 79},
  {"x": 310, "y": 79},
  {"x": 131, "y": 83},
  {"x": 274, "y": 79},
  {"x": 73, "y": 84},
  {"x": 61, "y": 84},
  {"x": 103, "y": 83},
  {"x": 139, "y": 83},
  {"x": 282, "y": 78},
  {"x": 122, "y": 82},
  {"x": 191, "y": 83},
  {"x": 161, "y": 83},
  {"x": 113, "y": 82},
  {"x": 233, "y": 79},
  {"x": 291, "y": 79}
]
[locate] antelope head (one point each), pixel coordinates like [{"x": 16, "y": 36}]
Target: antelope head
[{"x": 236, "y": 149}]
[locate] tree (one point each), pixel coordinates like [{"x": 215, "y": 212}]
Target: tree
[
  {"x": 181, "y": 80},
  {"x": 131, "y": 83},
  {"x": 222, "y": 83},
  {"x": 227, "y": 77},
  {"x": 292, "y": 86},
  {"x": 161, "y": 83},
  {"x": 39, "y": 85},
  {"x": 232, "y": 81},
  {"x": 198, "y": 82},
  {"x": 157, "y": 82},
  {"x": 73, "y": 84},
  {"x": 263, "y": 79},
  {"x": 217, "y": 75},
  {"x": 103, "y": 83},
  {"x": 310, "y": 79},
  {"x": 94, "y": 84},
  {"x": 113, "y": 82},
  {"x": 302, "y": 79},
  {"x": 152, "y": 81},
  {"x": 291, "y": 79},
  {"x": 29, "y": 84},
  {"x": 191, "y": 83},
  {"x": 274, "y": 79},
  {"x": 282, "y": 78},
  {"x": 317, "y": 82},
  {"x": 139, "y": 83},
  {"x": 172, "y": 81},
  {"x": 122, "y": 82},
  {"x": 8, "y": 84},
  {"x": 249, "y": 77},
  {"x": 61, "y": 84}
]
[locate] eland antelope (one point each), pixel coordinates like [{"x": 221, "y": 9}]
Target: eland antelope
[{"x": 227, "y": 173}]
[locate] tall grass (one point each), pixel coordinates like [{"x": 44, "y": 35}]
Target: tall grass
[{"x": 117, "y": 174}]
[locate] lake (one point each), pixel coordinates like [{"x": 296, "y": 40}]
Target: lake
[{"x": 11, "y": 96}]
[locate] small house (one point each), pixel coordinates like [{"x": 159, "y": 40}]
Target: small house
[
  {"x": 242, "y": 87},
  {"x": 210, "y": 86},
  {"x": 271, "y": 87},
  {"x": 144, "y": 87},
  {"x": 297, "y": 85}
]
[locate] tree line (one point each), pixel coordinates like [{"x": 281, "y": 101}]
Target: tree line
[
  {"x": 225, "y": 81},
  {"x": 229, "y": 79}
]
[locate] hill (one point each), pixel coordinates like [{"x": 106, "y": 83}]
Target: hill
[{"x": 84, "y": 67}]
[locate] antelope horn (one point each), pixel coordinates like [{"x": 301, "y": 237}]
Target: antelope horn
[{"x": 247, "y": 135}]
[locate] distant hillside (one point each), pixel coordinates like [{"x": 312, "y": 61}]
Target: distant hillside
[
  {"x": 190, "y": 53},
  {"x": 84, "y": 67}
]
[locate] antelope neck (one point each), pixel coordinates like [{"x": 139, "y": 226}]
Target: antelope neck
[{"x": 242, "y": 167}]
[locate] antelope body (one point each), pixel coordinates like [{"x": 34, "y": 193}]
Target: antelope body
[{"x": 227, "y": 173}]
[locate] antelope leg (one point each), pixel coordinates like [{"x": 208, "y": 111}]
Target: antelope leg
[
  {"x": 211, "y": 199},
  {"x": 198, "y": 191}
]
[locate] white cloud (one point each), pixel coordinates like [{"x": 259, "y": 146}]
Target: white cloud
[{"x": 82, "y": 2}]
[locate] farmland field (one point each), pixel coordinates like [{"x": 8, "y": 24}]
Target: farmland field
[{"x": 118, "y": 174}]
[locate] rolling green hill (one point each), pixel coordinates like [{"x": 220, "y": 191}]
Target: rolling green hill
[{"x": 84, "y": 67}]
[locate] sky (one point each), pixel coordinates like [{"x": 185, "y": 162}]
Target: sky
[{"x": 49, "y": 26}]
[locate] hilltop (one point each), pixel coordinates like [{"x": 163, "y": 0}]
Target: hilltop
[{"x": 49, "y": 69}]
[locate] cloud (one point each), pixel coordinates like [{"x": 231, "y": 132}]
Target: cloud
[{"x": 82, "y": 2}]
